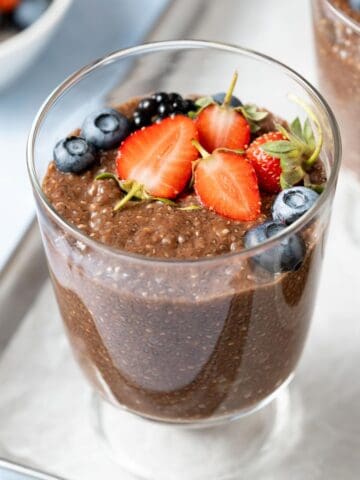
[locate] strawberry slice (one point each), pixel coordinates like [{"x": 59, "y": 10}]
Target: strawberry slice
[
  {"x": 221, "y": 126},
  {"x": 160, "y": 156},
  {"x": 267, "y": 168},
  {"x": 226, "y": 183}
]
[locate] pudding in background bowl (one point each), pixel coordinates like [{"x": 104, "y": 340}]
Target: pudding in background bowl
[{"x": 25, "y": 28}]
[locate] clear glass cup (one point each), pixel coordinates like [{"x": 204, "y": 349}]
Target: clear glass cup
[
  {"x": 337, "y": 42},
  {"x": 180, "y": 342}
]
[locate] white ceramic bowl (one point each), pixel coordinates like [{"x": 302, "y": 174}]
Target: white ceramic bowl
[{"x": 18, "y": 51}]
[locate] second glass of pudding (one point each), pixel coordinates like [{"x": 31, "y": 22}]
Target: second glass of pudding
[
  {"x": 337, "y": 41},
  {"x": 177, "y": 339}
]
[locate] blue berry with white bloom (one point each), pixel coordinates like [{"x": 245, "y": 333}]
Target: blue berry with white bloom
[
  {"x": 106, "y": 128},
  {"x": 74, "y": 155},
  {"x": 287, "y": 255},
  {"x": 292, "y": 203}
]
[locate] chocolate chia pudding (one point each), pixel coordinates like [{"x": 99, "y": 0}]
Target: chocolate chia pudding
[
  {"x": 174, "y": 327},
  {"x": 337, "y": 37}
]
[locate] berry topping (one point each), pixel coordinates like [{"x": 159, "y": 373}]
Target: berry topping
[
  {"x": 292, "y": 203},
  {"x": 287, "y": 255},
  {"x": 140, "y": 120},
  {"x": 106, "y": 128},
  {"x": 298, "y": 150},
  {"x": 29, "y": 11},
  {"x": 267, "y": 167},
  {"x": 159, "y": 157},
  {"x": 74, "y": 154},
  {"x": 159, "y": 106},
  {"x": 220, "y": 97},
  {"x": 147, "y": 107},
  {"x": 221, "y": 126},
  {"x": 226, "y": 182}
]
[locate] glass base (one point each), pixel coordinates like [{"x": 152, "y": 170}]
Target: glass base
[{"x": 160, "y": 451}]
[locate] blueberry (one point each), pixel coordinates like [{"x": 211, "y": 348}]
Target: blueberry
[
  {"x": 147, "y": 106},
  {"x": 355, "y": 4},
  {"x": 140, "y": 120},
  {"x": 28, "y": 12},
  {"x": 160, "y": 97},
  {"x": 220, "y": 97},
  {"x": 287, "y": 255},
  {"x": 292, "y": 203},
  {"x": 105, "y": 128},
  {"x": 74, "y": 154}
]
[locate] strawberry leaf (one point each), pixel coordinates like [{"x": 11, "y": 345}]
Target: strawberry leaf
[
  {"x": 299, "y": 151},
  {"x": 201, "y": 103},
  {"x": 296, "y": 128},
  {"x": 278, "y": 148},
  {"x": 252, "y": 115}
]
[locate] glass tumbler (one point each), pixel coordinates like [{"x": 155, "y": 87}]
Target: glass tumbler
[
  {"x": 337, "y": 43},
  {"x": 182, "y": 343}
]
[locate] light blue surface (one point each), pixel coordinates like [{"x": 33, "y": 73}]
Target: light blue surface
[{"x": 91, "y": 29}]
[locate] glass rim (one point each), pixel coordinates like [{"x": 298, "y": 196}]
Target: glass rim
[
  {"x": 173, "y": 45},
  {"x": 349, "y": 21}
]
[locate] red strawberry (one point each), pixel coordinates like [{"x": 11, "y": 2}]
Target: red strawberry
[
  {"x": 222, "y": 126},
  {"x": 160, "y": 156},
  {"x": 226, "y": 183},
  {"x": 268, "y": 169}
]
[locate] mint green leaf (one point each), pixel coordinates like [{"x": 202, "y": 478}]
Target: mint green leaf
[{"x": 192, "y": 114}]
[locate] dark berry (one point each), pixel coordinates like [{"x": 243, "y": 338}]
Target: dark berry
[
  {"x": 287, "y": 255},
  {"x": 140, "y": 120},
  {"x": 165, "y": 109},
  {"x": 220, "y": 97},
  {"x": 106, "y": 128},
  {"x": 188, "y": 106},
  {"x": 175, "y": 97},
  {"x": 74, "y": 154},
  {"x": 160, "y": 97},
  {"x": 28, "y": 12},
  {"x": 292, "y": 203},
  {"x": 147, "y": 106}
]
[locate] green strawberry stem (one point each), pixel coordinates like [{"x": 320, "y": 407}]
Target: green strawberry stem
[
  {"x": 230, "y": 91},
  {"x": 136, "y": 188},
  {"x": 204, "y": 153},
  {"x": 312, "y": 159}
]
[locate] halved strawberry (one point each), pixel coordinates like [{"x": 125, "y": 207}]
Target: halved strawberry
[
  {"x": 222, "y": 126},
  {"x": 160, "y": 156},
  {"x": 226, "y": 183},
  {"x": 267, "y": 168}
]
